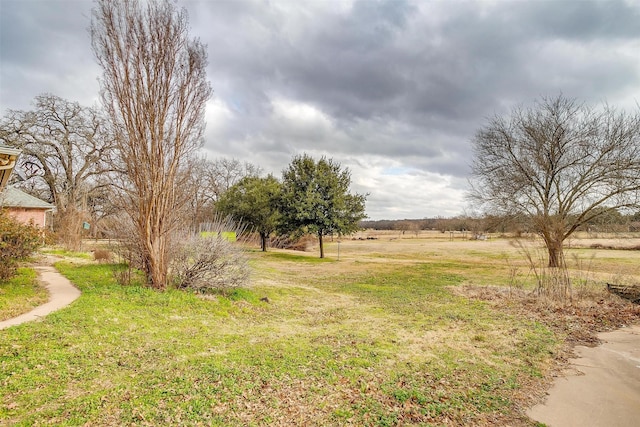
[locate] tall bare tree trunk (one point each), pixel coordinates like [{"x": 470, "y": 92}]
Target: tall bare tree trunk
[
  {"x": 154, "y": 89},
  {"x": 157, "y": 262}
]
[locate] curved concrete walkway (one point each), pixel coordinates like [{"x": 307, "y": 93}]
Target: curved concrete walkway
[
  {"x": 601, "y": 387},
  {"x": 61, "y": 294}
]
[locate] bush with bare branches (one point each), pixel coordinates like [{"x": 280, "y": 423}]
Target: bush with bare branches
[{"x": 210, "y": 261}]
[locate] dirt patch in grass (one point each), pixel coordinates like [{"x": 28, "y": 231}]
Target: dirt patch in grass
[{"x": 579, "y": 320}]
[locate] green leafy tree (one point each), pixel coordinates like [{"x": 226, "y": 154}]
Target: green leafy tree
[
  {"x": 253, "y": 200},
  {"x": 316, "y": 199}
]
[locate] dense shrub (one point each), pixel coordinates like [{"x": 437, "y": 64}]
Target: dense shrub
[{"x": 17, "y": 242}]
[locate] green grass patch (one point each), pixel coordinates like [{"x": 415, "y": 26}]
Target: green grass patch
[
  {"x": 337, "y": 343},
  {"x": 21, "y": 294},
  {"x": 227, "y": 235},
  {"x": 61, "y": 252}
]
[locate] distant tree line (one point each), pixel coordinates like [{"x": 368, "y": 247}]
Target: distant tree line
[
  {"x": 611, "y": 221},
  {"x": 442, "y": 224}
]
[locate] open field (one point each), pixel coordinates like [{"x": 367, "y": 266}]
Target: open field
[{"x": 398, "y": 331}]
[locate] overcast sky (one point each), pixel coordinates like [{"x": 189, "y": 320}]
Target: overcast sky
[{"x": 394, "y": 90}]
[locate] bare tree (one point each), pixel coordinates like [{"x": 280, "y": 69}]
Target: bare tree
[
  {"x": 222, "y": 174},
  {"x": 66, "y": 150},
  {"x": 209, "y": 180},
  {"x": 154, "y": 90},
  {"x": 201, "y": 197},
  {"x": 559, "y": 164}
]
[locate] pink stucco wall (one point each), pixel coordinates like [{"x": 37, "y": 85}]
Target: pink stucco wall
[{"x": 25, "y": 215}]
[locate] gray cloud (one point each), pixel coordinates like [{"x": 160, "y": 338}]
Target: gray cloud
[
  {"x": 582, "y": 21},
  {"x": 44, "y": 47},
  {"x": 393, "y": 89}
]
